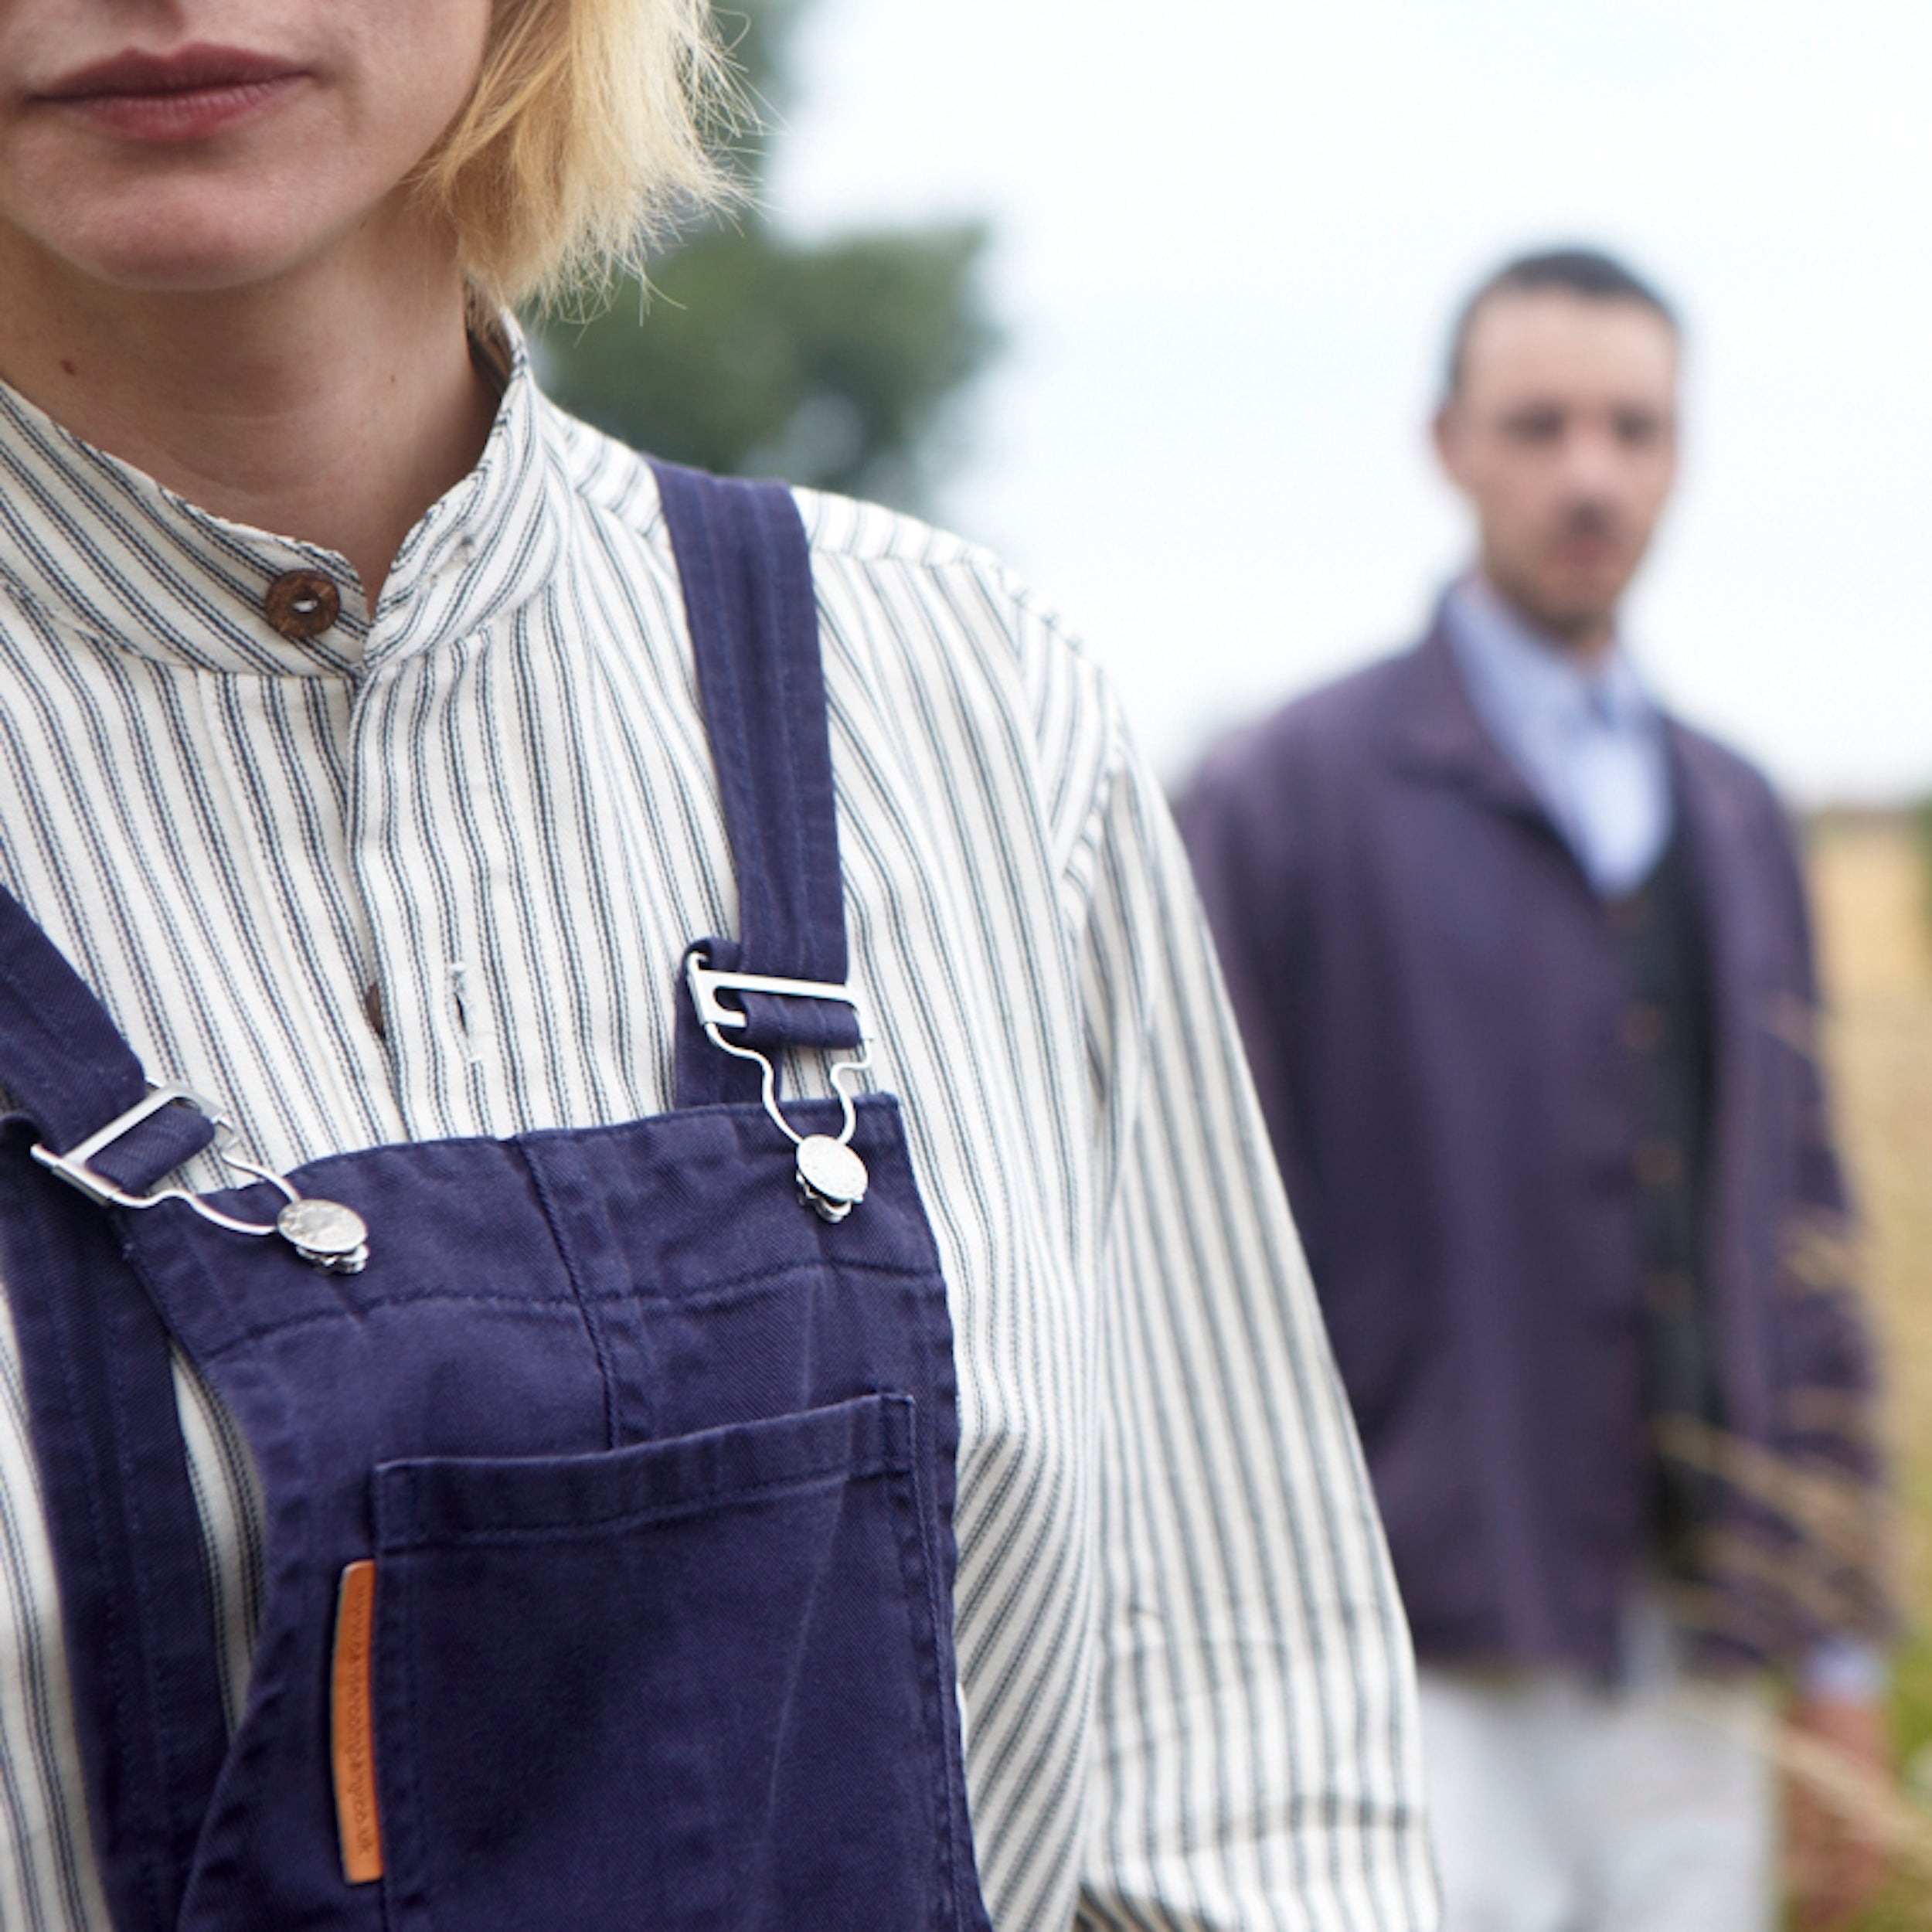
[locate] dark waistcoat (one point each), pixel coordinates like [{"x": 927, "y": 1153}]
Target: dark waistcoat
[{"x": 1664, "y": 1027}]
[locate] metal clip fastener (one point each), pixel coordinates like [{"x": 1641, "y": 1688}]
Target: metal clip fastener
[
  {"x": 831, "y": 1178},
  {"x": 706, "y": 983},
  {"x": 325, "y": 1232}
]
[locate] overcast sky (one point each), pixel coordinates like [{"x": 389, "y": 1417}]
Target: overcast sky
[{"x": 1225, "y": 264}]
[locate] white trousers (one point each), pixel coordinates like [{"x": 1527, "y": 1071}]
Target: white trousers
[{"x": 1561, "y": 1805}]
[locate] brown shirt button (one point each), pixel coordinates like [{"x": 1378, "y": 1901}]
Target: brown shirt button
[
  {"x": 301, "y": 604},
  {"x": 1658, "y": 1163}
]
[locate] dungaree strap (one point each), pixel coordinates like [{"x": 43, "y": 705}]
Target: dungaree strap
[
  {"x": 107, "y": 1433},
  {"x": 746, "y": 569},
  {"x": 67, "y": 1067},
  {"x": 126, "y": 1531}
]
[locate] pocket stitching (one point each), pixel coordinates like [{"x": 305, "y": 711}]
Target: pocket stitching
[{"x": 798, "y": 1479}]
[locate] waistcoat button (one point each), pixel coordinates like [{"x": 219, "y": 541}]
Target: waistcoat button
[
  {"x": 301, "y": 604},
  {"x": 1670, "y": 1291},
  {"x": 1659, "y": 1163},
  {"x": 1642, "y": 1027}
]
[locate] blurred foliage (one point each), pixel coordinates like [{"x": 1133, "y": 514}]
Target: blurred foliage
[
  {"x": 830, "y": 364},
  {"x": 1868, "y": 874}
]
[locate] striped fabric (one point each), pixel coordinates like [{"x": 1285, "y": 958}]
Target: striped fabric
[{"x": 430, "y": 874}]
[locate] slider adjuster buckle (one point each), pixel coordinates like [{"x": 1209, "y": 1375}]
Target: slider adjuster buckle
[
  {"x": 831, "y": 1178},
  {"x": 74, "y": 1167},
  {"x": 333, "y": 1237}
]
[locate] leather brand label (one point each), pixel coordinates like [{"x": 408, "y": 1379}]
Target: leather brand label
[{"x": 353, "y": 1725}]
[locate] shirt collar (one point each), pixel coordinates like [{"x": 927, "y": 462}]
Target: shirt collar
[
  {"x": 1515, "y": 672},
  {"x": 89, "y": 542}
]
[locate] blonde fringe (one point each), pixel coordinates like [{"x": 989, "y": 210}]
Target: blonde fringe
[{"x": 590, "y": 132}]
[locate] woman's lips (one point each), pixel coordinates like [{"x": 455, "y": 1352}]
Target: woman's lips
[{"x": 187, "y": 95}]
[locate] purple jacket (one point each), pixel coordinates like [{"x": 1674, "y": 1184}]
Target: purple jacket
[{"x": 1430, "y": 994}]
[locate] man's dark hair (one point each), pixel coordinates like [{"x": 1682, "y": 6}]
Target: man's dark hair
[{"x": 1587, "y": 272}]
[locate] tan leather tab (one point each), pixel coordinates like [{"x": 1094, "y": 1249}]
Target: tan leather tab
[{"x": 353, "y": 1725}]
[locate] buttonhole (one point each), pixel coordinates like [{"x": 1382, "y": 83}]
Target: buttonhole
[{"x": 457, "y": 985}]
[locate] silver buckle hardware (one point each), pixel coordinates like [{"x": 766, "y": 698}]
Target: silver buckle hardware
[
  {"x": 831, "y": 1178},
  {"x": 324, "y": 1232},
  {"x": 72, "y": 1166},
  {"x": 706, "y": 983}
]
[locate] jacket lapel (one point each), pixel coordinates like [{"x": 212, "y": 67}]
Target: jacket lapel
[{"x": 1437, "y": 737}]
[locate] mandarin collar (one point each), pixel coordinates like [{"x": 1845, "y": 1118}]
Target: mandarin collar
[{"x": 90, "y": 542}]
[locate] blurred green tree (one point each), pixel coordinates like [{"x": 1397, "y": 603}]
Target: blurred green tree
[{"x": 830, "y": 364}]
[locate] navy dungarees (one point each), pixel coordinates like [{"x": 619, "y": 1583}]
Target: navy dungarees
[{"x": 651, "y": 1454}]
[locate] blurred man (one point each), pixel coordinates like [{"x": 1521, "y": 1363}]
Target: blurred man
[{"x": 1523, "y": 966}]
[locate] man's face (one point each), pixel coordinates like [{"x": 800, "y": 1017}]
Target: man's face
[
  {"x": 201, "y": 144},
  {"x": 1563, "y": 436}
]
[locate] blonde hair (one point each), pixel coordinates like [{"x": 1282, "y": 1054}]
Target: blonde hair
[{"x": 588, "y": 133}]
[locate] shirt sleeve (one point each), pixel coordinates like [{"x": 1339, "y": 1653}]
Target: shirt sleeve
[
  {"x": 1246, "y": 842},
  {"x": 1257, "y": 1761},
  {"x": 1840, "y": 1671}
]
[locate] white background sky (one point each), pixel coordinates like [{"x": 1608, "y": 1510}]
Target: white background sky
[{"x": 1229, "y": 237}]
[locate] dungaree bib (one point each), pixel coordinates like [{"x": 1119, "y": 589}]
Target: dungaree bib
[{"x": 609, "y": 1564}]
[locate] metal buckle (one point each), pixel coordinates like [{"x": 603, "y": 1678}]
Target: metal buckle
[
  {"x": 706, "y": 983},
  {"x": 331, "y": 1236},
  {"x": 72, "y": 1166},
  {"x": 831, "y": 1178}
]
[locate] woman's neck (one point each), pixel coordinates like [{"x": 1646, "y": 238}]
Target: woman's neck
[{"x": 334, "y": 404}]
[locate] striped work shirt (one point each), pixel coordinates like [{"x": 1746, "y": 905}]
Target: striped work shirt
[{"x": 431, "y": 873}]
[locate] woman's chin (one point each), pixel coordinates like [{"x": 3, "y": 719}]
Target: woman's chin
[
  {"x": 189, "y": 257},
  {"x": 198, "y": 231}
]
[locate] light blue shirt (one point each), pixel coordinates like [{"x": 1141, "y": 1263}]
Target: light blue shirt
[{"x": 1585, "y": 736}]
